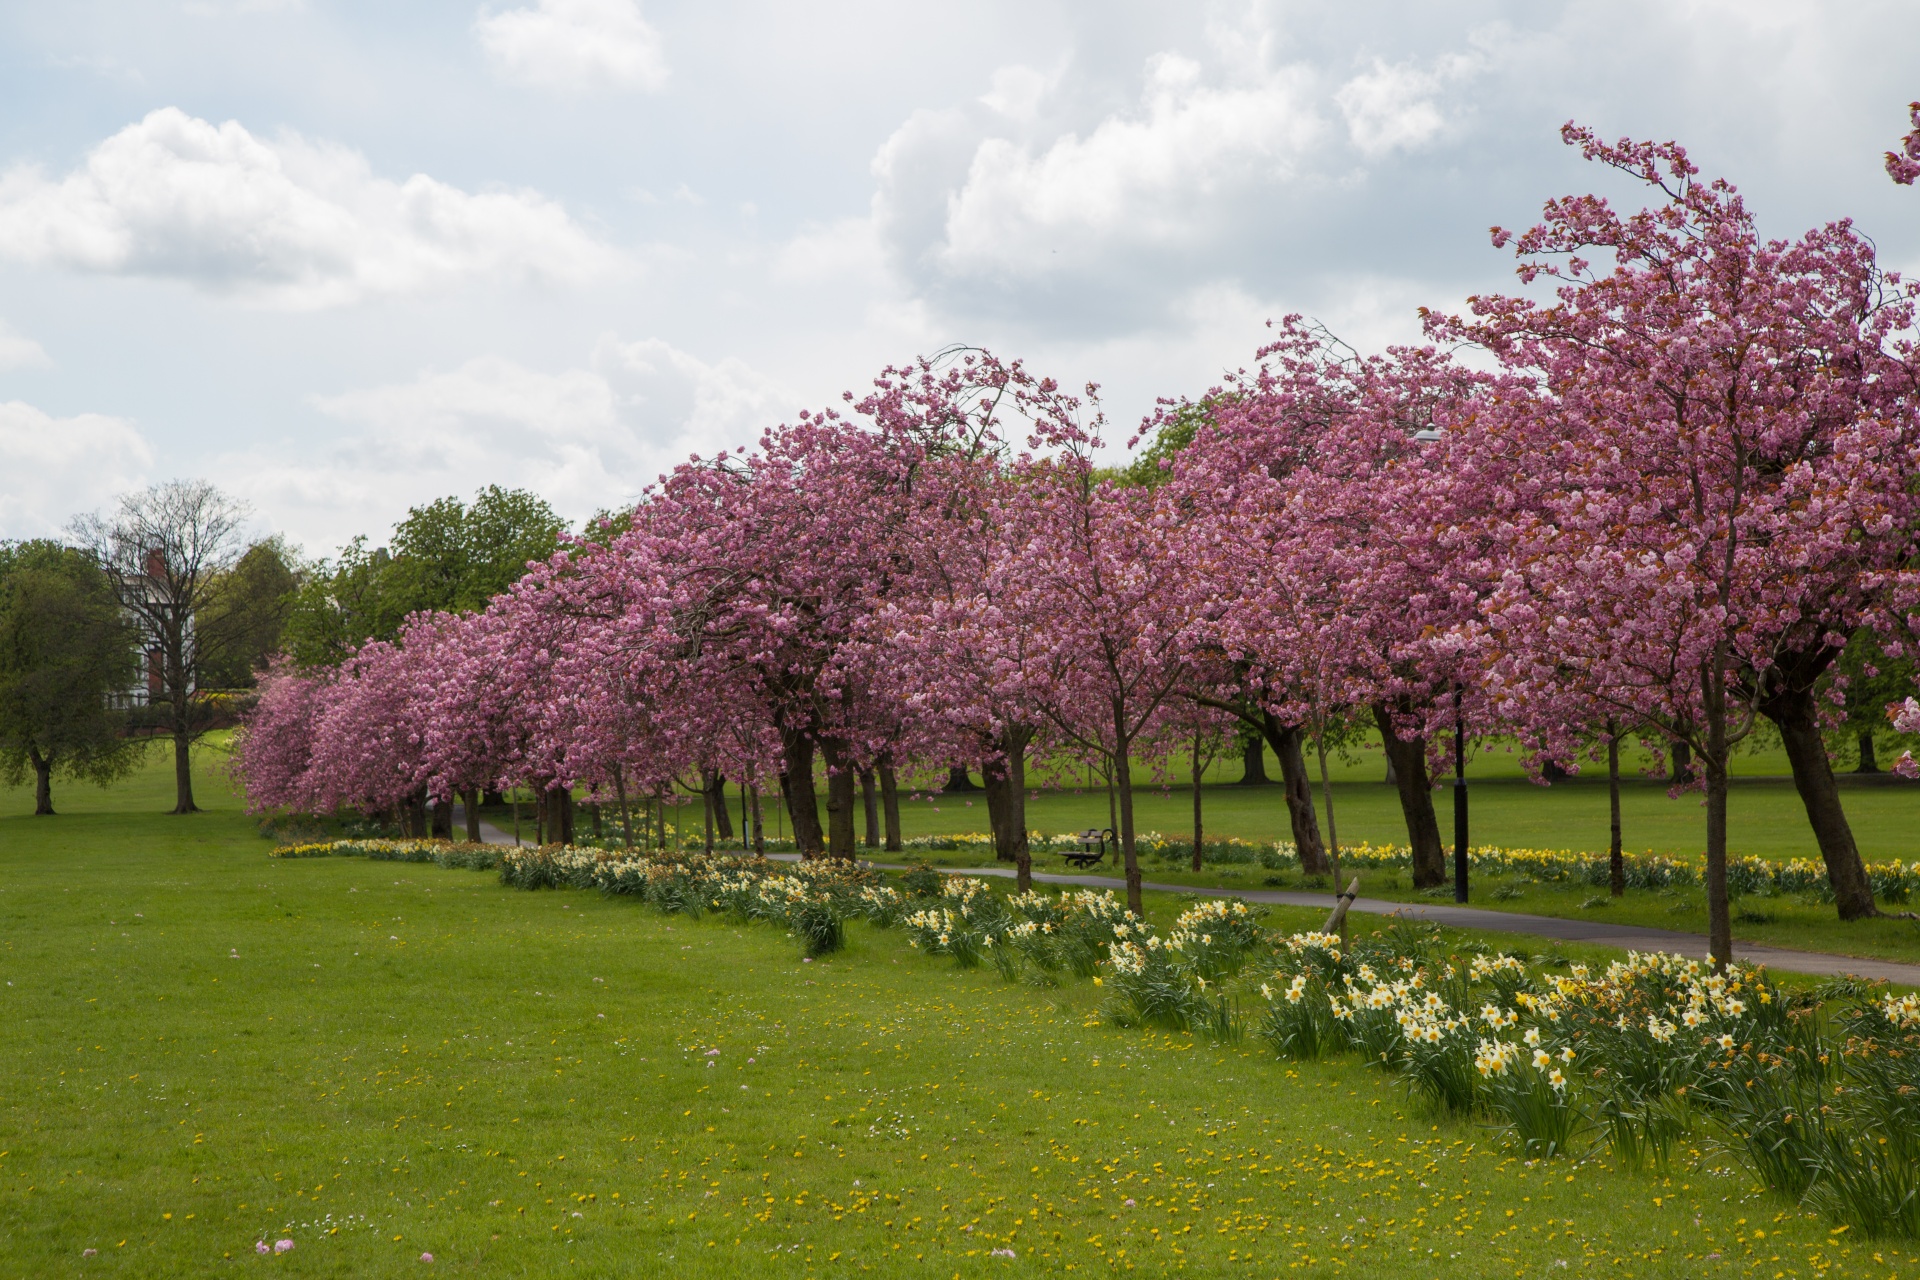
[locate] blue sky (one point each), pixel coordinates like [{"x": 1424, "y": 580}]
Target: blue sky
[{"x": 348, "y": 257}]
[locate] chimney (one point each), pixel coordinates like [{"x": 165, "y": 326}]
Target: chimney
[{"x": 156, "y": 562}]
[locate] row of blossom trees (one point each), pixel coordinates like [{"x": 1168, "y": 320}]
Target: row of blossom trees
[{"x": 1652, "y": 495}]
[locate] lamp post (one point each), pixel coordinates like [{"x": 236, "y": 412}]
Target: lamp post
[{"x": 1427, "y": 436}]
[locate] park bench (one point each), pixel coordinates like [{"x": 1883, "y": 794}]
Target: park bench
[{"x": 1093, "y": 847}]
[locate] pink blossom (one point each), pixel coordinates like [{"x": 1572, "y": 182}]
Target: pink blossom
[{"x": 1903, "y": 166}]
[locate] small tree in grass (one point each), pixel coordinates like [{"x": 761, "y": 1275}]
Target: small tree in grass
[{"x": 65, "y": 650}]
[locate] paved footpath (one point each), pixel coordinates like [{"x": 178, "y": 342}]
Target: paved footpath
[
  {"x": 1598, "y": 932},
  {"x": 1602, "y": 933},
  {"x": 489, "y": 834}
]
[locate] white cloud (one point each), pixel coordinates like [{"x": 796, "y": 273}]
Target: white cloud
[
  {"x": 17, "y": 351},
  {"x": 1017, "y": 91},
  {"x": 287, "y": 223},
  {"x": 585, "y": 438},
  {"x": 679, "y": 403},
  {"x": 575, "y": 45},
  {"x": 1392, "y": 107},
  {"x": 1146, "y": 177},
  {"x": 51, "y": 469},
  {"x": 1252, "y": 151},
  {"x": 844, "y": 252}
]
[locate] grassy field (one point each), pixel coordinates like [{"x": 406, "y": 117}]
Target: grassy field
[
  {"x": 206, "y": 1048},
  {"x": 1765, "y": 816}
]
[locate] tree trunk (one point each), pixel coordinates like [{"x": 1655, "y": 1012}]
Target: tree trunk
[
  {"x": 957, "y": 779},
  {"x": 797, "y": 785},
  {"x": 1287, "y": 741},
  {"x": 1120, "y": 779},
  {"x": 722, "y": 820},
  {"x": 183, "y": 773},
  {"x": 1113, "y": 803},
  {"x": 1005, "y": 776},
  {"x": 1793, "y": 713},
  {"x": 993, "y": 779},
  {"x": 416, "y": 809},
  {"x": 840, "y": 798},
  {"x": 1333, "y": 828},
  {"x": 1253, "y": 764},
  {"x": 42, "y": 783},
  {"x": 890, "y": 805},
  {"x": 1014, "y": 743},
  {"x": 560, "y": 810},
  {"x": 759, "y": 824},
  {"x": 473, "y": 816},
  {"x": 1682, "y": 761},
  {"x": 870, "y": 806},
  {"x": 706, "y": 805},
  {"x": 1719, "y": 917},
  {"x": 1199, "y": 829},
  {"x": 1616, "y": 856},
  {"x": 1409, "y": 760},
  {"x": 442, "y": 820},
  {"x": 1868, "y": 762}
]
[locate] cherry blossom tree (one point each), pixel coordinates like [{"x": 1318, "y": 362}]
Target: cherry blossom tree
[
  {"x": 367, "y": 740},
  {"x": 1091, "y": 567},
  {"x": 273, "y": 751},
  {"x": 1335, "y": 554},
  {"x": 1727, "y": 445}
]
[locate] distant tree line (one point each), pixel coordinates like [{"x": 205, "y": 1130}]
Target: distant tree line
[{"x": 156, "y": 620}]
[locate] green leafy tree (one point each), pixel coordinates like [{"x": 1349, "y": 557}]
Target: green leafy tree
[
  {"x": 505, "y": 530},
  {"x": 245, "y": 616},
  {"x": 340, "y": 606},
  {"x": 607, "y": 525},
  {"x": 66, "y": 649},
  {"x": 1150, "y": 467},
  {"x": 445, "y": 556},
  {"x": 1873, "y": 678}
]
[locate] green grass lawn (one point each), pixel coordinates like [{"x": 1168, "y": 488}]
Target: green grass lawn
[
  {"x": 205, "y": 1048},
  {"x": 1765, "y": 817}
]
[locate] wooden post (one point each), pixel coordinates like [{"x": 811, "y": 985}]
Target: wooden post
[{"x": 1337, "y": 922}]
